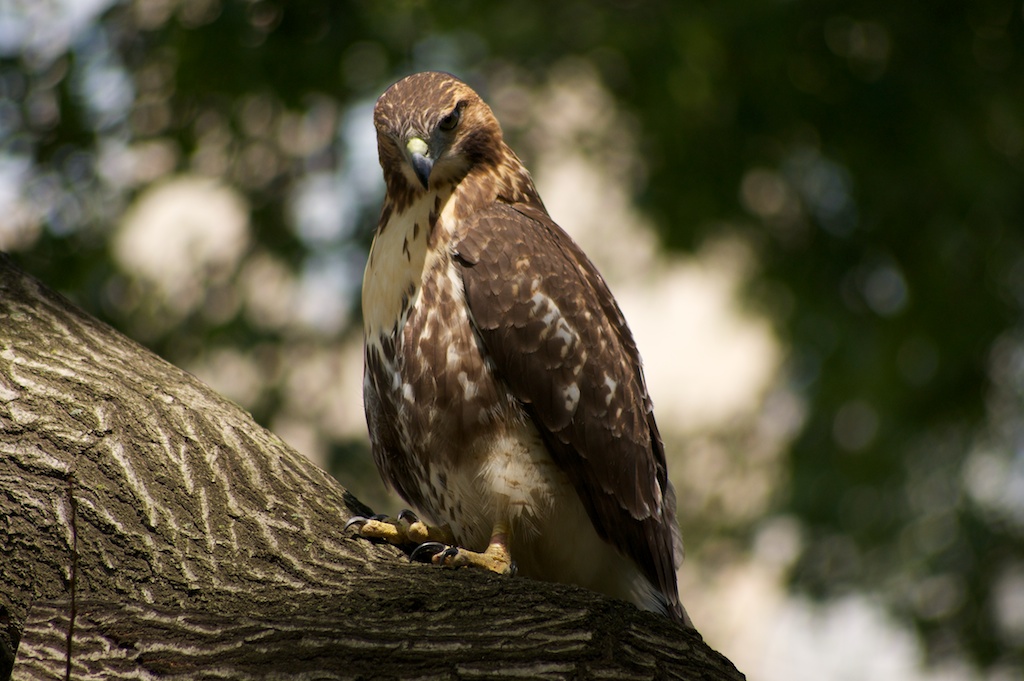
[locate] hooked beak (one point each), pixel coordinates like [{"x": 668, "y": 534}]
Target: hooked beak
[{"x": 421, "y": 162}]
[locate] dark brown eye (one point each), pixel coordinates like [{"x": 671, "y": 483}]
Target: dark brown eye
[{"x": 449, "y": 122}]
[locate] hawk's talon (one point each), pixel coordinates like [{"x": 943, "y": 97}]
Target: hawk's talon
[
  {"x": 495, "y": 559},
  {"x": 361, "y": 520},
  {"x": 355, "y": 520},
  {"x": 417, "y": 531},
  {"x": 428, "y": 549},
  {"x": 408, "y": 530}
]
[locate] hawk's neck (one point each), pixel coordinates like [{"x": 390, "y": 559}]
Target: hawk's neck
[
  {"x": 414, "y": 235},
  {"x": 398, "y": 258}
]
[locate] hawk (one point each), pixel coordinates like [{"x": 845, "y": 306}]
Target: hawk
[{"x": 504, "y": 394}]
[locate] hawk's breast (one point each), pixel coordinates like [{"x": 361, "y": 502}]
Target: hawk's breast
[{"x": 445, "y": 432}]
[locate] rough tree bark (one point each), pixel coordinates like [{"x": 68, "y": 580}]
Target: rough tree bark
[{"x": 148, "y": 527}]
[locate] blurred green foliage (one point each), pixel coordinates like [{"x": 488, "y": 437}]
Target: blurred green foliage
[{"x": 872, "y": 153}]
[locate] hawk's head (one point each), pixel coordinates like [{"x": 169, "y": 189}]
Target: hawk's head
[{"x": 432, "y": 129}]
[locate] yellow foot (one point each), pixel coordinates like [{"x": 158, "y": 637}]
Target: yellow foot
[
  {"x": 495, "y": 559},
  {"x": 408, "y": 529}
]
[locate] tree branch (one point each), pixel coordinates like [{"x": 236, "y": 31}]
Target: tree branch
[{"x": 148, "y": 525}]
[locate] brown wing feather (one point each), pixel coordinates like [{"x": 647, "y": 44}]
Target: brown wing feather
[
  {"x": 397, "y": 467},
  {"x": 557, "y": 338}
]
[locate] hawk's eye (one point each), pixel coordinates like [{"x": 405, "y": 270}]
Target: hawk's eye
[{"x": 449, "y": 122}]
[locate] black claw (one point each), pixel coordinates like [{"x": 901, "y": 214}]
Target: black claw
[
  {"x": 362, "y": 520},
  {"x": 427, "y": 549},
  {"x": 450, "y": 552},
  {"x": 408, "y": 516},
  {"x": 355, "y": 520},
  {"x": 513, "y": 569}
]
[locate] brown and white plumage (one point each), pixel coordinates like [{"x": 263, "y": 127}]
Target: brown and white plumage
[{"x": 503, "y": 391}]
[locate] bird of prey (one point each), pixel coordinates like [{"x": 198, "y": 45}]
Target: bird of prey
[{"x": 504, "y": 394}]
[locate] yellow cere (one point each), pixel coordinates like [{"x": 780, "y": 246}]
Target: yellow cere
[{"x": 416, "y": 146}]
